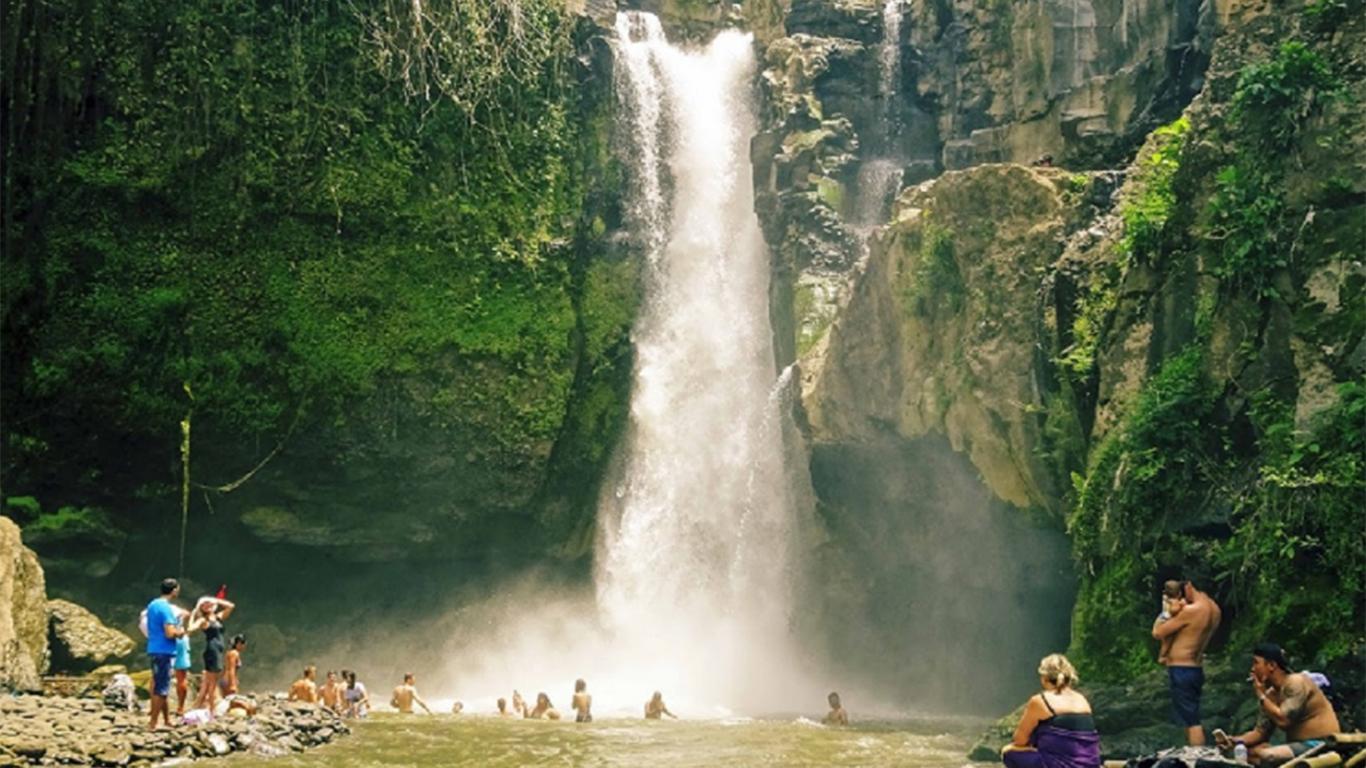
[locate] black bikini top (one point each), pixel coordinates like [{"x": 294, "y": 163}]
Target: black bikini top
[{"x": 1068, "y": 721}]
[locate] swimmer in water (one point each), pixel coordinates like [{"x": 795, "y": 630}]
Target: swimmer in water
[
  {"x": 518, "y": 704},
  {"x": 544, "y": 709},
  {"x": 405, "y": 696},
  {"x": 837, "y": 715},
  {"x": 503, "y": 710},
  {"x": 655, "y": 709},
  {"x": 582, "y": 703}
]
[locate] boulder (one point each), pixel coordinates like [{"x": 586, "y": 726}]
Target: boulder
[
  {"x": 23, "y": 616},
  {"x": 79, "y": 641}
]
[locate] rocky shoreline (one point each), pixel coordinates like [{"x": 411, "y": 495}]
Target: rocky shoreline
[{"x": 56, "y": 730}]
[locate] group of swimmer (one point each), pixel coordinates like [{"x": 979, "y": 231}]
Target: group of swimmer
[{"x": 352, "y": 700}]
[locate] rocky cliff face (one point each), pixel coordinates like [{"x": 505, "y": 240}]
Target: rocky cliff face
[
  {"x": 954, "y": 84},
  {"x": 1166, "y": 361},
  {"x": 23, "y": 613}
]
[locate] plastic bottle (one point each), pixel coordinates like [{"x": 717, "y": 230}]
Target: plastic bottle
[{"x": 1240, "y": 752}]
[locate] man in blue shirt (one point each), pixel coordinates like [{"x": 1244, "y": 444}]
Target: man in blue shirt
[{"x": 163, "y": 627}]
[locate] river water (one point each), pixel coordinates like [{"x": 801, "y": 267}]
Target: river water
[{"x": 444, "y": 740}]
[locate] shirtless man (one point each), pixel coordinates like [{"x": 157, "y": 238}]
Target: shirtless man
[
  {"x": 503, "y": 708},
  {"x": 655, "y": 709},
  {"x": 582, "y": 704},
  {"x": 837, "y": 715},
  {"x": 304, "y": 689},
  {"x": 1290, "y": 701},
  {"x": 406, "y": 694},
  {"x": 331, "y": 693},
  {"x": 1190, "y": 631}
]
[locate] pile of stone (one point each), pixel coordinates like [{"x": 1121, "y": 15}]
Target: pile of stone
[{"x": 47, "y": 730}]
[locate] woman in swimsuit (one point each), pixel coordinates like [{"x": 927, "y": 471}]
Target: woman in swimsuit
[
  {"x": 209, "y": 615},
  {"x": 357, "y": 698},
  {"x": 1056, "y": 730}
]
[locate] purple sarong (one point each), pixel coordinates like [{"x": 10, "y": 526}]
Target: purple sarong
[{"x": 1058, "y": 748}]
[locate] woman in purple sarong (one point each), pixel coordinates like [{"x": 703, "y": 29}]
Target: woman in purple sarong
[{"x": 1056, "y": 730}]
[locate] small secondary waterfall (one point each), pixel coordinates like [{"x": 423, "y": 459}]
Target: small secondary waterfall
[
  {"x": 698, "y": 528},
  {"x": 880, "y": 176}
]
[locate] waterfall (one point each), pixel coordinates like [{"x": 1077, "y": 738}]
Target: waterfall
[
  {"x": 879, "y": 178},
  {"x": 697, "y": 529}
]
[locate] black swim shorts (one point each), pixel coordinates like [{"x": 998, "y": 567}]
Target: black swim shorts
[{"x": 1186, "y": 684}]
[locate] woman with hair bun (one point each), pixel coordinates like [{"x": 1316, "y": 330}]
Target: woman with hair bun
[{"x": 1056, "y": 729}]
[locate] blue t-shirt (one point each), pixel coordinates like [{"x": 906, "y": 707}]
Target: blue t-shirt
[
  {"x": 159, "y": 614},
  {"x": 182, "y": 652}
]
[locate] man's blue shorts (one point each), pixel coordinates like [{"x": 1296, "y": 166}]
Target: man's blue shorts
[
  {"x": 161, "y": 673},
  {"x": 1298, "y": 748},
  {"x": 1186, "y": 683}
]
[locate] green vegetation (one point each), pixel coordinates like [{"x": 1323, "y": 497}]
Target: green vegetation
[
  {"x": 1144, "y": 212},
  {"x": 1295, "y": 552},
  {"x": 1208, "y": 473},
  {"x": 295, "y": 211},
  {"x": 935, "y": 278},
  {"x": 1247, "y": 216}
]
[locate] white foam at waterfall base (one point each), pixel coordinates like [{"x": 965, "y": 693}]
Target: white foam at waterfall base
[
  {"x": 698, "y": 526},
  {"x": 697, "y": 533}
]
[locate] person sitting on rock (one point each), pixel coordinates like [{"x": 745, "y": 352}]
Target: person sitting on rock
[
  {"x": 1287, "y": 700},
  {"x": 304, "y": 689},
  {"x": 1056, "y": 729}
]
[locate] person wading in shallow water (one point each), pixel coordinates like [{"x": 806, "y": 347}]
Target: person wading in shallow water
[
  {"x": 405, "y": 696},
  {"x": 582, "y": 703},
  {"x": 304, "y": 689},
  {"x": 836, "y": 715},
  {"x": 1189, "y": 632},
  {"x": 331, "y": 693},
  {"x": 544, "y": 709},
  {"x": 655, "y": 708}
]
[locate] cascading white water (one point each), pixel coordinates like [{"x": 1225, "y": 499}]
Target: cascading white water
[
  {"x": 880, "y": 177},
  {"x": 697, "y": 532}
]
